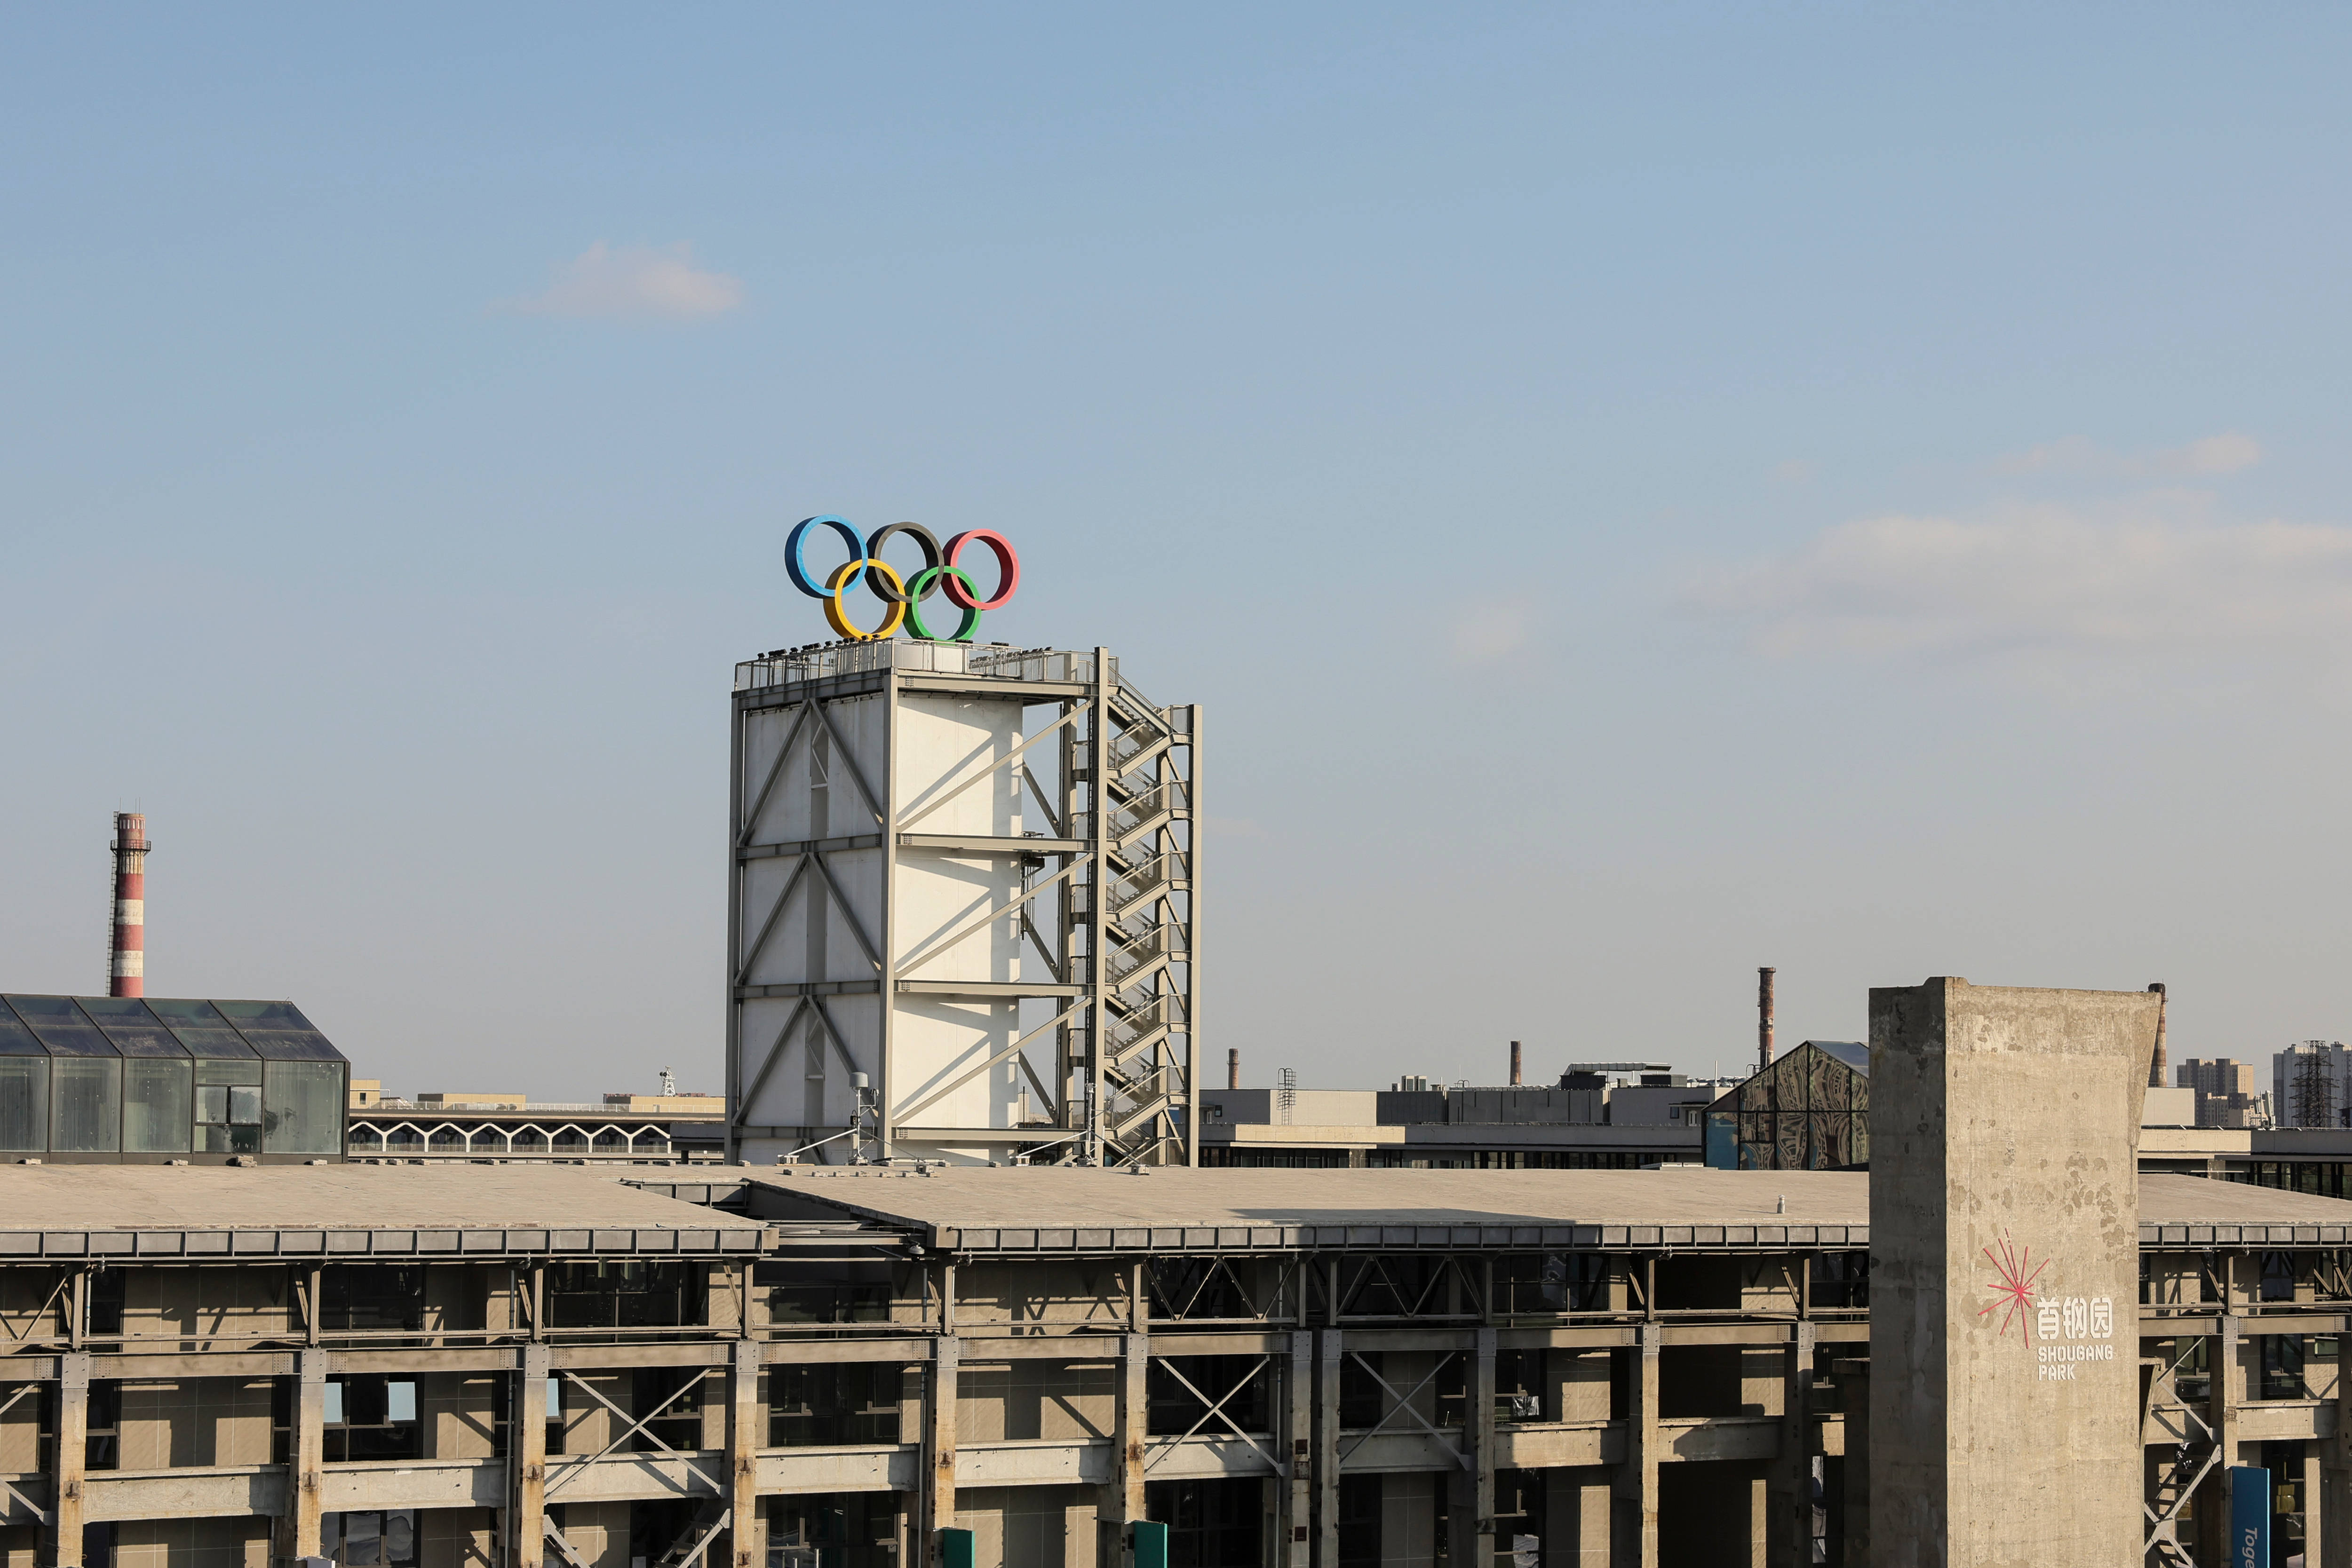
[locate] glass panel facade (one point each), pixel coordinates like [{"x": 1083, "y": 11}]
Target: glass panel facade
[
  {"x": 130, "y": 1028},
  {"x": 24, "y": 1104},
  {"x": 15, "y": 1040},
  {"x": 279, "y": 1031},
  {"x": 199, "y": 1027},
  {"x": 61, "y": 1027},
  {"x": 156, "y": 1105},
  {"x": 302, "y": 1107},
  {"x": 87, "y": 1114}
]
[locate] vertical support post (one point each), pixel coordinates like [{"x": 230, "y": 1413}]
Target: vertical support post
[
  {"x": 747, "y": 1433},
  {"x": 1327, "y": 1447},
  {"x": 2222, "y": 1411},
  {"x": 1471, "y": 1520},
  {"x": 2338, "y": 1515},
  {"x": 1297, "y": 1441},
  {"x": 313, "y": 1309},
  {"x": 1793, "y": 1478},
  {"x": 939, "y": 1499},
  {"x": 69, "y": 1509},
  {"x": 1192, "y": 834},
  {"x": 1067, "y": 1062},
  {"x": 305, "y": 1464},
  {"x": 1637, "y": 1477},
  {"x": 886, "y": 1086},
  {"x": 1097, "y": 767},
  {"x": 1134, "y": 1417},
  {"x": 2314, "y": 1509},
  {"x": 529, "y": 1444},
  {"x": 735, "y": 713}
]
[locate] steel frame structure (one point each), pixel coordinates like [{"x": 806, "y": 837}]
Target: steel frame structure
[{"x": 1105, "y": 902}]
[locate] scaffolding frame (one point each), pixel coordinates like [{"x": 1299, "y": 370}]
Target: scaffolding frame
[{"x": 1108, "y": 907}]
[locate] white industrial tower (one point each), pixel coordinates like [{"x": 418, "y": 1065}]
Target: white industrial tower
[{"x": 963, "y": 900}]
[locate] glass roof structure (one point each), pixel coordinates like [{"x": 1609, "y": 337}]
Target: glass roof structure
[
  {"x": 159, "y": 1026},
  {"x": 128, "y": 1080}
]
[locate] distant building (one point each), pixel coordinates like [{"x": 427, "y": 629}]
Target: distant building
[
  {"x": 2311, "y": 1085},
  {"x": 1583, "y": 1122},
  {"x": 483, "y": 1126},
  {"x": 2226, "y": 1096}
]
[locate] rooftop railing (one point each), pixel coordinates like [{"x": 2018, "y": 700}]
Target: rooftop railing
[{"x": 820, "y": 661}]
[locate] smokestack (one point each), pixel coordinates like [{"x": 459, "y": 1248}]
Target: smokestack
[
  {"x": 1514, "y": 1064},
  {"x": 2156, "y": 1062},
  {"x": 1233, "y": 1067},
  {"x": 1763, "y": 1019},
  {"x": 127, "y": 954}
]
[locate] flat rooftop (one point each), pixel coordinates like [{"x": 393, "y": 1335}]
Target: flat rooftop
[
  {"x": 1060, "y": 1210},
  {"x": 349, "y": 1211}
]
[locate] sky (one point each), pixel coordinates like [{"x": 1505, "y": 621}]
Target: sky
[{"x": 1638, "y": 492}]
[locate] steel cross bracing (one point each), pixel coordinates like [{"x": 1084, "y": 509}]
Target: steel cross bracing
[{"x": 1105, "y": 914}]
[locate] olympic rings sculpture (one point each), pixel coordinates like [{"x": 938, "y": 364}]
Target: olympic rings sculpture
[{"x": 902, "y": 599}]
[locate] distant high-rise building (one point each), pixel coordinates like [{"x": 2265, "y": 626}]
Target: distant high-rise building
[
  {"x": 2311, "y": 1085},
  {"x": 2225, "y": 1092}
]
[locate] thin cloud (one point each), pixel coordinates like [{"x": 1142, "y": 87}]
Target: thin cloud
[
  {"x": 634, "y": 283},
  {"x": 1494, "y": 631},
  {"x": 2049, "y": 586},
  {"x": 2078, "y": 456}
]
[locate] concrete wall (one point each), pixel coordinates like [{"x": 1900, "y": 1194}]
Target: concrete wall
[
  {"x": 2004, "y": 1238},
  {"x": 941, "y": 740}
]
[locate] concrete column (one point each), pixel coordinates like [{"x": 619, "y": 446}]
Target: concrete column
[
  {"x": 1298, "y": 1445},
  {"x": 1852, "y": 1378},
  {"x": 939, "y": 1499},
  {"x": 528, "y": 1442},
  {"x": 1637, "y": 1477},
  {"x": 1792, "y": 1535},
  {"x": 1470, "y": 1518},
  {"x": 68, "y": 1508},
  {"x": 1327, "y": 1449},
  {"x": 2337, "y": 1515},
  {"x": 2224, "y": 1394},
  {"x": 747, "y": 1433},
  {"x": 1123, "y": 1499},
  {"x": 305, "y": 1461},
  {"x": 2314, "y": 1510}
]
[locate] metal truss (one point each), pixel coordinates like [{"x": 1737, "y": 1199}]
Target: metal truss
[
  {"x": 1216, "y": 1410},
  {"x": 1403, "y": 1403},
  {"x": 1105, "y": 911}
]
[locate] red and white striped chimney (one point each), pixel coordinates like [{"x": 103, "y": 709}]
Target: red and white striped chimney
[{"x": 126, "y": 966}]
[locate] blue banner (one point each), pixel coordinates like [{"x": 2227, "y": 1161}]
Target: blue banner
[{"x": 2250, "y": 1516}]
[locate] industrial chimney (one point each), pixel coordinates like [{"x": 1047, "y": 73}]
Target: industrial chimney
[
  {"x": 1763, "y": 1019},
  {"x": 1232, "y": 1067},
  {"x": 2156, "y": 1062},
  {"x": 1514, "y": 1064},
  {"x": 127, "y": 954}
]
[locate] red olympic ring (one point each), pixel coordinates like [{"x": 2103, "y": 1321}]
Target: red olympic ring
[{"x": 1008, "y": 568}]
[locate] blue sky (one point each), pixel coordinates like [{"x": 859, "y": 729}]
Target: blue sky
[{"x": 1640, "y": 493}]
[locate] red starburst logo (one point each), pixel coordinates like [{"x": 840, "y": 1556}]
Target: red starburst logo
[{"x": 2013, "y": 1290}]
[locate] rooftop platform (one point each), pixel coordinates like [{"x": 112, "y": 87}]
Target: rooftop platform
[
  {"x": 1027, "y": 1211},
  {"x": 349, "y": 1211}
]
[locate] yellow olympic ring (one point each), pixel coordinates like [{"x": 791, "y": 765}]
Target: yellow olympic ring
[{"x": 835, "y": 600}]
